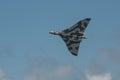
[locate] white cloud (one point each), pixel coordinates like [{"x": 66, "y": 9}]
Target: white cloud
[
  {"x": 58, "y": 73},
  {"x": 106, "y": 61},
  {"x": 106, "y": 76},
  {"x": 3, "y": 75},
  {"x": 63, "y": 70}
]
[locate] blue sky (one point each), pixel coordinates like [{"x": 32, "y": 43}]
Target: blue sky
[{"x": 29, "y": 52}]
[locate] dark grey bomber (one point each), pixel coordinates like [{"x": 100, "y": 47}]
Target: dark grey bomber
[{"x": 73, "y": 36}]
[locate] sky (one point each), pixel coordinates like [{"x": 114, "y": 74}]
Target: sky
[{"x": 29, "y": 52}]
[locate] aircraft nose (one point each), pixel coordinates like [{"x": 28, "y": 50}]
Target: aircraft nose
[{"x": 51, "y": 32}]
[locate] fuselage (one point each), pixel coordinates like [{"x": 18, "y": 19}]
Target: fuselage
[{"x": 58, "y": 33}]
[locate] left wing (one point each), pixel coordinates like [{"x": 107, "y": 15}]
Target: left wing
[{"x": 72, "y": 42}]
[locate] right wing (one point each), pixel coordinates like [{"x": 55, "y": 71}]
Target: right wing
[{"x": 79, "y": 26}]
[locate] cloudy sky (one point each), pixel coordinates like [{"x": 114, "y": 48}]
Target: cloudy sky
[{"x": 29, "y": 52}]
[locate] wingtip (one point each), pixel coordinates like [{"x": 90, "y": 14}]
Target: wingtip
[
  {"x": 75, "y": 54},
  {"x": 88, "y": 18}
]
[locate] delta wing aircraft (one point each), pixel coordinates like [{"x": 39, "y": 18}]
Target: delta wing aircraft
[{"x": 74, "y": 35}]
